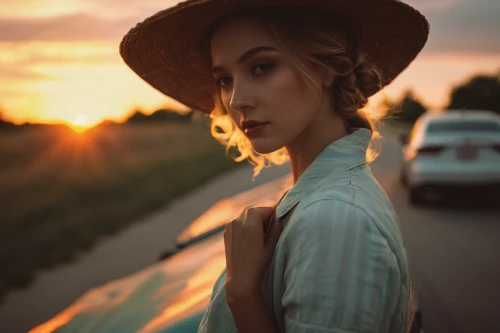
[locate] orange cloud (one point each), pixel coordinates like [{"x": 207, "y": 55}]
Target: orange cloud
[
  {"x": 40, "y": 8},
  {"x": 424, "y": 5},
  {"x": 74, "y": 27}
]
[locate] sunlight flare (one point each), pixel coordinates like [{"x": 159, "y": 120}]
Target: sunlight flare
[{"x": 81, "y": 120}]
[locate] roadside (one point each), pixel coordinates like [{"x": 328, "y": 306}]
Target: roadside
[
  {"x": 61, "y": 191},
  {"x": 124, "y": 253}
]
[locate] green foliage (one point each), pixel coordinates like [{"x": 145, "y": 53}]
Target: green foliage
[
  {"x": 161, "y": 115},
  {"x": 479, "y": 93},
  {"x": 62, "y": 191},
  {"x": 137, "y": 117},
  {"x": 408, "y": 109}
]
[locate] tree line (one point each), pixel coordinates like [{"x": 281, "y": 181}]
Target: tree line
[
  {"x": 481, "y": 92},
  {"x": 161, "y": 115},
  {"x": 137, "y": 116}
]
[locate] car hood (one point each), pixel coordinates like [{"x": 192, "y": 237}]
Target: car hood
[{"x": 172, "y": 295}]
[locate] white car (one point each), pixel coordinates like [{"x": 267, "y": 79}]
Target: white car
[{"x": 450, "y": 151}]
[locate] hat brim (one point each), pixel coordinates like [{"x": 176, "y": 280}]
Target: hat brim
[{"x": 166, "y": 51}]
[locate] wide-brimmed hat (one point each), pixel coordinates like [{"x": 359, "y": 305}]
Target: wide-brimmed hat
[{"x": 166, "y": 49}]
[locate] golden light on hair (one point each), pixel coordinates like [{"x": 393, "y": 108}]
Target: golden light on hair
[{"x": 315, "y": 41}]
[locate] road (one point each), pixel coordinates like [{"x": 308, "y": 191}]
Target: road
[{"x": 454, "y": 253}]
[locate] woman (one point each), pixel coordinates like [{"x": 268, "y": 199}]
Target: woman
[{"x": 290, "y": 81}]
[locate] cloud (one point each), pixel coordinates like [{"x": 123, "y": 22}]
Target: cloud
[
  {"x": 456, "y": 25},
  {"x": 425, "y": 5},
  {"x": 15, "y": 54},
  {"x": 110, "y": 9},
  {"x": 35, "y": 61},
  {"x": 123, "y": 8},
  {"x": 75, "y": 27},
  {"x": 72, "y": 59},
  {"x": 22, "y": 74},
  {"x": 462, "y": 25},
  {"x": 40, "y": 8}
]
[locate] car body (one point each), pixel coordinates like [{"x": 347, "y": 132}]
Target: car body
[
  {"x": 447, "y": 151},
  {"x": 172, "y": 295}
]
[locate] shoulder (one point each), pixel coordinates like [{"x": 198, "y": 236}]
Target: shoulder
[
  {"x": 340, "y": 274},
  {"x": 328, "y": 216},
  {"x": 335, "y": 217},
  {"x": 338, "y": 203},
  {"x": 353, "y": 192}
]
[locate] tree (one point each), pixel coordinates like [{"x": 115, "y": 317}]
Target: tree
[
  {"x": 137, "y": 117},
  {"x": 481, "y": 93},
  {"x": 410, "y": 108},
  {"x": 4, "y": 124},
  {"x": 160, "y": 115}
]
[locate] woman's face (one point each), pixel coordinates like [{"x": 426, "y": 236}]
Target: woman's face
[{"x": 257, "y": 82}]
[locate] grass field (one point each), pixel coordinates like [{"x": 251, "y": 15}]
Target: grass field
[{"x": 61, "y": 191}]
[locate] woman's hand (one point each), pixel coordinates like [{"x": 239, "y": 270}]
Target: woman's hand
[{"x": 249, "y": 251}]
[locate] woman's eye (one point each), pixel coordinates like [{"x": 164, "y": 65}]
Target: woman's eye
[
  {"x": 263, "y": 68},
  {"x": 257, "y": 70},
  {"x": 224, "y": 80}
]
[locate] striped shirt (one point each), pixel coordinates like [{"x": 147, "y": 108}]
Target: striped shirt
[{"x": 341, "y": 264}]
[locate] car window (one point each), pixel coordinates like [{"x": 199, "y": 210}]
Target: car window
[{"x": 461, "y": 126}]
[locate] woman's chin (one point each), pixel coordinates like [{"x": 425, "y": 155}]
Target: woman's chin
[{"x": 262, "y": 146}]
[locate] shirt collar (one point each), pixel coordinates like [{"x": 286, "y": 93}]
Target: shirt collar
[{"x": 341, "y": 155}]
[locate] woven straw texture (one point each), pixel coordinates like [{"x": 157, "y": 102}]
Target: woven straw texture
[{"x": 166, "y": 51}]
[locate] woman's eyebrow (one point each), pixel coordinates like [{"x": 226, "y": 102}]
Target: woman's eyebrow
[{"x": 247, "y": 55}]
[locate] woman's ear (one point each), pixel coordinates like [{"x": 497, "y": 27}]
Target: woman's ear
[{"x": 328, "y": 77}]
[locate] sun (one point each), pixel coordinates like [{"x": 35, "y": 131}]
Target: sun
[
  {"x": 81, "y": 120},
  {"x": 80, "y": 123}
]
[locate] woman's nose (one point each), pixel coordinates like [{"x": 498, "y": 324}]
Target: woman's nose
[{"x": 242, "y": 97}]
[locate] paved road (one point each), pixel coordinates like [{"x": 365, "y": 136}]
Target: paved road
[{"x": 454, "y": 252}]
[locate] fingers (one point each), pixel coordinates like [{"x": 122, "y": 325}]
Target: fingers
[
  {"x": 244, "y": 211},
  {"x": 254, "y": 219},
  {"x": 233, "y": 225},
  {"x": 262, "y": 213},
  {"x": 229, "y": 234}
]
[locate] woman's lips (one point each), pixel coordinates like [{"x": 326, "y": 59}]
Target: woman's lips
[{"x": 255, "y": 131}]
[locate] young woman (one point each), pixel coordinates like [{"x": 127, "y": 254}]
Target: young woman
[{"x": 290, "y": 81}]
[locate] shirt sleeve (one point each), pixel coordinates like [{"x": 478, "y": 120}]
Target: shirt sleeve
[{"x": 340, "y": 276}]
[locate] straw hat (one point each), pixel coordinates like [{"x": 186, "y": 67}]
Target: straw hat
[{"x": 166, "y": 49}]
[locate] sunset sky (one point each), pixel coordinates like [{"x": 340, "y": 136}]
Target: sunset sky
[{"x": 59, "y": 59}]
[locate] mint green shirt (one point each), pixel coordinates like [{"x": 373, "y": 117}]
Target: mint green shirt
[{"x": 341, "y": 264}]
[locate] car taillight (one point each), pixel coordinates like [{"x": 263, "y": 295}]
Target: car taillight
[
  {"x": 496, "y": 148},
  {"x": 430, "y": 150}
]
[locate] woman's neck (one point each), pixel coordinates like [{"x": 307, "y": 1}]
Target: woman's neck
[{"x": 313, "y": 140}]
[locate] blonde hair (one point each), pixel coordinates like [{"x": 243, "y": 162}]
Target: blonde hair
[{"x": 308, "y": 35}]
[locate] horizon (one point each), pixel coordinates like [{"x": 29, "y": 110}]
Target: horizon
[{"x": 59, "y": 61}]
